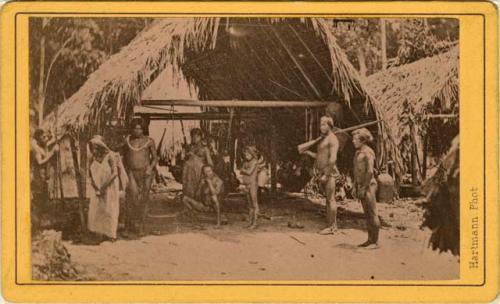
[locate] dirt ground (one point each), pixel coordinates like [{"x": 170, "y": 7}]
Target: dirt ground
[{"x": 183, "y": 249}]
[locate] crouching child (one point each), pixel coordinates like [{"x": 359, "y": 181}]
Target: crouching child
[{"x": 212, "y": 190}]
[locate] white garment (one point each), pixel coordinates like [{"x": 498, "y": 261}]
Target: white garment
[{"x": 104, "y": 210}]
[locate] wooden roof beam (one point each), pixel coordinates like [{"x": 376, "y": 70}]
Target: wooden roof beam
[{"x": 237, "y": 103}]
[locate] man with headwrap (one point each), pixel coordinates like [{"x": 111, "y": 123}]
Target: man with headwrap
[{"x": 104, "y": 206}]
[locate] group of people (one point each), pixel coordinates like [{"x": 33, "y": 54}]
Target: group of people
[
  {"x": 132, "y": 172},
  {"x": 203, "y": 186},
  {"x": 134, "y": 176},
  {"x": 109, "y": 174},
  {"x": 326, "y": 173}
]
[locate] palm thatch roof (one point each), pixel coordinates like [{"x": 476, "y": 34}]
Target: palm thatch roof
[
  {"x": 416, "y": 85},
  {"x": 118, "y": 83}
]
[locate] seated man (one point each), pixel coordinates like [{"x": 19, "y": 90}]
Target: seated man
[{"x": 211, "y": 193}]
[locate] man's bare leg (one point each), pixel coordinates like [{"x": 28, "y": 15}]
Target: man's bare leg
[
  {"x": 250, "y": 209},
  {"x": 193, "y": 205},
  {"x": 331, "y": 207},
  {"x": 144, "y": 196},
  {"x": 255, "y": 206},
  {"x": 215, "y": 201},
  {"x": 372, "y": 221},
  {"x": 132, "y": 202}
]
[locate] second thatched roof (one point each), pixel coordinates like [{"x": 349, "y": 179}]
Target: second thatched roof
[{"x": 418, "y": 84}]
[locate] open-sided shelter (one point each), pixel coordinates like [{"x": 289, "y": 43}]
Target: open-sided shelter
[{"x": 233, "y": 60}]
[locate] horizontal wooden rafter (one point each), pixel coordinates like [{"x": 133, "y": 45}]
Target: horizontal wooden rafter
[{"x": 237, "y": 103}]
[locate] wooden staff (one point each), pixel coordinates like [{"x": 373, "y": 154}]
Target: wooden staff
[
  {"x": 358, "y": 126},
  {"x": 305, "y": 146}
]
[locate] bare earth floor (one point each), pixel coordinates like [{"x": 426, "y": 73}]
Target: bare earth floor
[{"x": 184, "y": 251}]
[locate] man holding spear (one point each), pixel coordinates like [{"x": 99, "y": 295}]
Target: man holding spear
[{"x": 325, "y": 168}]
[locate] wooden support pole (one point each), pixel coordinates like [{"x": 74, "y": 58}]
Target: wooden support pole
[
  {"x": 426, "y": 146},
  {"x": 306, "y": 124},
  {"x": 83, "y": 162},
  {"x": 80, "y": 185},
  {"x": 414, "y": 174},
  {"x": 383, "y": 43},
  {"x": 274, "y": 180}
]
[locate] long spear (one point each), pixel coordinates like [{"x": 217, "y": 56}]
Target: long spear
[
  {"x": 305, "y": 146},
  {"x": 357, "y": 126}
]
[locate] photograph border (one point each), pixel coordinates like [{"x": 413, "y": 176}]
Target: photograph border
[
  {"x": 486, "y": 121},
  {"x": 275, "y": 15}
]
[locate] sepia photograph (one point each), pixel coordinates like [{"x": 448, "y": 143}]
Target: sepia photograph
[{"x": 244, "y": 149}]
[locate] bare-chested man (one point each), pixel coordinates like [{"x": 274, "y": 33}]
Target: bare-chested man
[
  {"x": 365, "y": 184},
  {"x": 325, "y": 168},
  {"x": 140, "y": 162}
]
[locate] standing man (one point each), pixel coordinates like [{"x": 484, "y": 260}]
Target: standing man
[
  {"x": 42, "y": 151},
  {"x": 325, "y": 168},
  {"x": 140, "y": 162},
  {"x": 365, "y": 185}
]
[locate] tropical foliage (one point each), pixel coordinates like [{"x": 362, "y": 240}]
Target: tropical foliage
[
  {"x": 64, "y": 51},
  {"x": 406, "y": 40}
]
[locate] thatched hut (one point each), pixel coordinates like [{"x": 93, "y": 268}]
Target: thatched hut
[
  {"x": 225, "y": 59},
  {"x": 420, "y": 104}
]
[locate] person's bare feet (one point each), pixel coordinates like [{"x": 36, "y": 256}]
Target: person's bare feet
[
  {"x": 373, "y": 246},
  {"x": 328, "y": 230},
  {"x": 252, "y": 227},
  {"x": 369, "y": 245},
  {"x": 365, "y": 244}
]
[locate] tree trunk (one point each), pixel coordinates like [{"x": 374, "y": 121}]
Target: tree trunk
[
  {"x": 41, "y": 79},
  {"x": 426, "y": 147},
  {"x": 383, "y": 43},
  {"x": 362, "y": 62},
  {"x": 414, "y": 159}
]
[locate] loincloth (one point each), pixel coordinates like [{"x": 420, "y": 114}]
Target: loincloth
[{"x": 141, "y": 178}]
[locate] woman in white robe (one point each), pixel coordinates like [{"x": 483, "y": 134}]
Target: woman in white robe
[{"x": 104, "y": 205}]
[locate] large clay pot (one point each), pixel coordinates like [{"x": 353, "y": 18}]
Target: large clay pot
[{"x": 385, "y": 189}]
